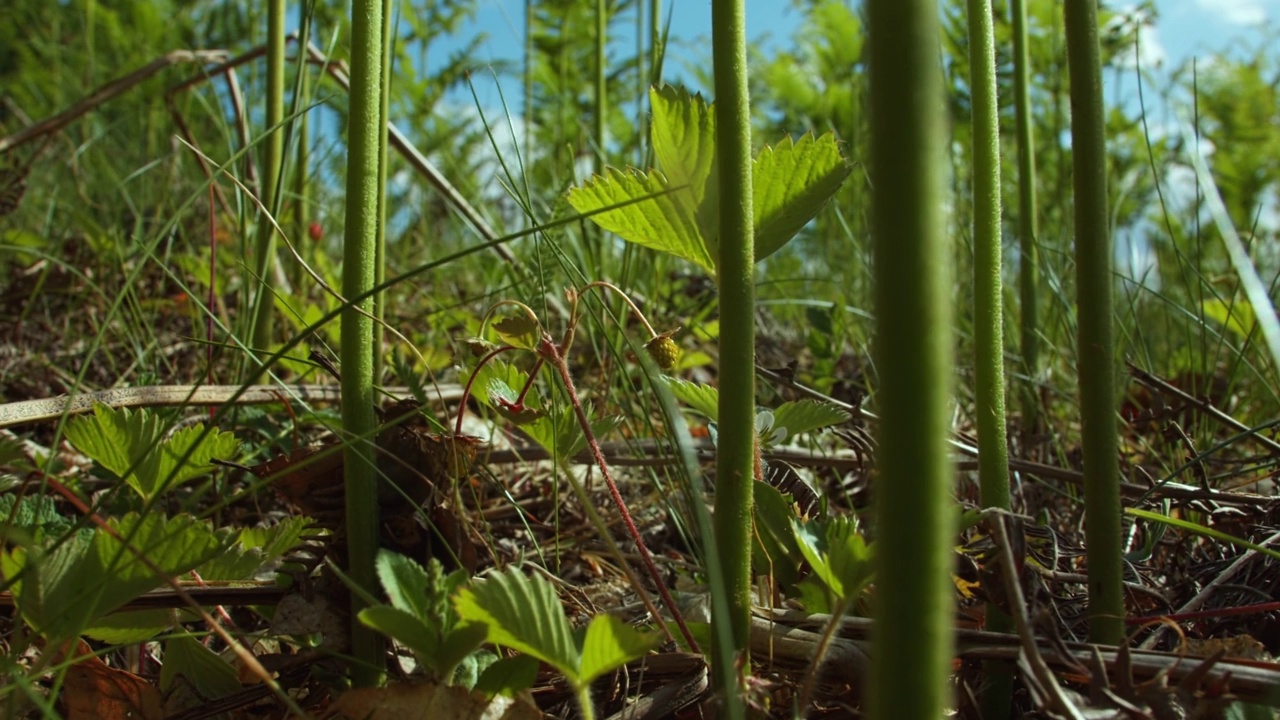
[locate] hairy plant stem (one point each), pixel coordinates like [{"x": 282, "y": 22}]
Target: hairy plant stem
[
  {"x": 988, "y": 317},
  {"x": 551, "y": 352},
  {"x": 912, "y": 636},
  {"x": 272, "y": 161},
  {"x": 380, "y": 242},
  {"x": 1094, "y": 350},
  {"x": 736, "y": 454},
  {"x": 1028, "y": 232},
  {"x": 359, "y": 418}
]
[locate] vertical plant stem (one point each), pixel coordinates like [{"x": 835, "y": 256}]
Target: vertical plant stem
[
  {"x": 301, "y": 177},
  {"x": 1095, "y": 354},
  {"x": 735, "y": 467},
  {"x": 988, "y": 317},
  {"x": 601, "y": 90},
  {"x": 358, "y": 416},
  {"x": 380, "y": 251},
  {"x": 272, "y": 159},
  {"x": 914, "y": 526},
  {"x": 1028, "y": 232}
]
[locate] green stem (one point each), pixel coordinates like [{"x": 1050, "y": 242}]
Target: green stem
[
  {"x": 736, "y": 461},
  {"x": 272, "y": 159},
  {"x": 988, "y": 320},
  {"x": 358, "y": 415},
  {"x": 1095, "y": 352},
  {"x": 380, "y": 252},
  {"x": 915, "y": 519},
  {"x": 1028, "y": 241}
]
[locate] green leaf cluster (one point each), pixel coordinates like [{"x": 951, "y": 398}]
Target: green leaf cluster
[
  {"x": 64, "y": 589},
  {"x": 133, "y": 447},
  {"x": 788, "y": 420},
  {"x": 524, "y": 614},
  {"x": 421, "y": 618},
  {"x": 674, "y": 209}
]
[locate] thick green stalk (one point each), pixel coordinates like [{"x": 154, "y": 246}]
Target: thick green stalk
[
  {"x": 272, "y": 159},
  {"x": 301, "y": 177},
  {"x": 735, "y": 469},
  {"x": 915, "y": 518},
  {"x": 358, "y": 417},
  {"x": 988, "y": 316},
  {"x": 601, "y": 89},
  {"x": 1095, "y": 354},
  {"x": 380, "y": 251},
  {"x": 1028, "y": 243}
]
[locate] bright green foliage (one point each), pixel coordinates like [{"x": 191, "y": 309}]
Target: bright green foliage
[
  {"x": 132, "y": 446},
  {"x": 31, "y": 518},
  {"x": 557, "y": 430},
  {"x": 521, "y": 331},
  {"x": 838, "y": 554},
  {"x": 675, "y": 210},
  {"x": 790, "y": 419},
  {"x": 420, "y": 617},
  {"x": 62, "y": 590},
  {"x": 802, "y": 416},
  {"x": 524, "y": 614}
]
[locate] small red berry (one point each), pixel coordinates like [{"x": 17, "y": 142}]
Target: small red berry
[{"x": 315, "y": 231}]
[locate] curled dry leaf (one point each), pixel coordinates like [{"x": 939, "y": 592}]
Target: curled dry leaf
[{"x": 94, "y": 691}]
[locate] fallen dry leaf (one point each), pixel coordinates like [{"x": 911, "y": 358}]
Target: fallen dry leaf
[
  {"x": 94, "y": 691},
  {"x": 428, "y": 701}
]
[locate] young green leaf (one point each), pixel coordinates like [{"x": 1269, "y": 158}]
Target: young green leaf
[
  {"x": 508, "y": 676},
  {"x": 777, "y": 553},
  {"x": 518, "y": 330},
  {"x": 646, "y": 212},
  {"x": 802, "y": 416},
  {"x": 702, "y": 398},
  {"x": 524, "y": 614},
  {"x": 790, "y": 184},
  {"x": 684, "y": 143},
  {"x": 65, "y": 589},
  {"x": 131, "y": 446},
  {"x": 611, "y": 643},
  {"x": 209, "y": 675},
  {"x": 837, "y": 553}
]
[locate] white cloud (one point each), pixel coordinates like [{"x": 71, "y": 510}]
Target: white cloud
[{"x": 1236, "y": 12}]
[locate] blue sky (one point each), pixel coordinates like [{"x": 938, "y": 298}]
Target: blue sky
[{"x": 1184, "y": 29}]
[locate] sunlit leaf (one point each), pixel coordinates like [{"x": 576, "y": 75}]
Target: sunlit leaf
[
  {"x": 702, "y": 398},
  {"x": 802, "y": 416},
  {"x": 519, "y": 330},
  {"x": 791, "y": 182},
  {"x": 524, "y": 614},
  {"x": 662, "y": 220},
  {"x": 611, "y": 643}
]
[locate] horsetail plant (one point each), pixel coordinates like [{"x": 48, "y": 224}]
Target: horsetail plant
[
  {"x": 911, "y": 640},
  {"x": 736, "y": 455},
  {"x": 272, "y": 162},
  {"x": 988, "y": 318},
  {"x": 1094, "y": 350},
  {"x": 1028, "y": 232},
  {"x": 358, "y": 416}
]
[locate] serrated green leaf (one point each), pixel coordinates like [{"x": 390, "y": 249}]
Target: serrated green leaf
[
  {"x": 518, "y": 330},
  {"x": 837, "y": 553},
  {"x": 790, "y": 184},
  {"x": 611, "y": 643},
  {"x": 664, "y": 220},
  {"x": 508, "y": 676},
  {"x": 407, "y": 629},
  {"x": 773, "y": 517},
  {"x": 131, "y": 447},
  {"x": 210, "y": 675},
  {"x": 702, "y": 398},
  {"x": 802, "y": 416},
  {"x": 524, "y": 614},
  {"x": 405, "y": 582},
  {"x": 277, "y": 540},
  {"x": 457, "y": 645},
  {"x": 684, "y": 144},
  {"x": 69, "y": 587}
]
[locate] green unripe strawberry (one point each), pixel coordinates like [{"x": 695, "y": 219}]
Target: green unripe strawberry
[{"x": 664, "y": 351}]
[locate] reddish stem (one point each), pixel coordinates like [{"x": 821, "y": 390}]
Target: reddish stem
[{"x": 552, "y": 352}]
